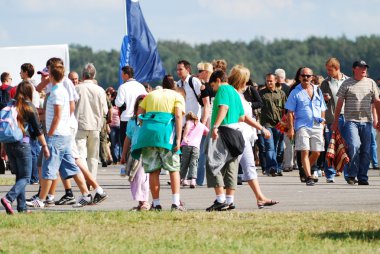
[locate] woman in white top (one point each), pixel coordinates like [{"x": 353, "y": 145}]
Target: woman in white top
[{"x": 238, "y": 78}]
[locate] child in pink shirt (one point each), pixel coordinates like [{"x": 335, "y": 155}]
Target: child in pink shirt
[{"x": 192, "y": 136}]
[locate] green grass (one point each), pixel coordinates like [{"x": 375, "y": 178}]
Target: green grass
[
  {"x": 7, "y": 180},
  {"x": 190, "y": 232}
]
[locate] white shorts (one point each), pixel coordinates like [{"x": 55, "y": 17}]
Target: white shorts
[{"x": 310, "y": 139}]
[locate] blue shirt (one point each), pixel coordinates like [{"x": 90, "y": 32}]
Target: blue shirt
[{"x": 307, "y": 111}]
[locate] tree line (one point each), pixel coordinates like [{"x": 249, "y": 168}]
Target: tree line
[{"x": 259, "y": 55}]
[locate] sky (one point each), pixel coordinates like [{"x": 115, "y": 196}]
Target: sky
[{"x": 100, "y": 24}]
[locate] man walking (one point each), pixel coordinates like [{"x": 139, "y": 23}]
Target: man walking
[
  {"x": 306, "y": 107},
  {"x": 357, "y": 93},
  {"x": 271, "y": 113},
  {"x": 89, "y": 111}
]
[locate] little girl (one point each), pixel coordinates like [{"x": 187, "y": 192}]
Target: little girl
[
  {"x": 140, "y": 182},
  {"x": 192, "y": 136}
]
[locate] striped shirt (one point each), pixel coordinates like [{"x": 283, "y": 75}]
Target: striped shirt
[
  {"x": 58, "y": 96},
  {"x": 358, "y": 96}
]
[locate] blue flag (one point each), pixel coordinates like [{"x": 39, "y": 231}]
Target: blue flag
[{"x": 139, "y": 49}]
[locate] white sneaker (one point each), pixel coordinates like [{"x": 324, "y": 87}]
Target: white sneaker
[
  {"x": 83, "y": 201},
  {"x": 37, "y": 203}
]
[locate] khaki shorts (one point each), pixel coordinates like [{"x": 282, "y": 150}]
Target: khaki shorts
[
  {"x": 156, "y": 158},
  {"x": 310, "y": 139},
  {"x": 227, "y": 177}
]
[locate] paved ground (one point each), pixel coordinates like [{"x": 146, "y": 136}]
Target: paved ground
[{"x": 292, "y": 194}]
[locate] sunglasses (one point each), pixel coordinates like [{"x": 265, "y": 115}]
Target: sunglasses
[{"x": 306, "y": 76}]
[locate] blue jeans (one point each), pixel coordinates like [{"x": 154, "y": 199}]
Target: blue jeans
[
  {"x": 271, "y": 146},
  {"x": 36, "y": 148},
  {"x": 358, "y": 138},
  {"x": 20, "y": 158},
  {"x": 201, "y": 164},
  {"x": 330, "y": 171},
  {"x": 374, "y": 159},
  {"x": 115, "y": 143},
  {"x": 262, "y": 159}
]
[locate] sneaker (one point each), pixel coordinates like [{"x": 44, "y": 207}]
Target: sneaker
[
  {"x": 178, "y": 208},
  {"x": 35, "y": 196},
  {"x": 37, "y": 203},
  {"x": 330, "y": 180},
  {"x": 83, "y": 201},
  {"x": 288, "y": 169},
  {"x": 272, "y": 172},
  {"x": 310, "y": 181},
  {"x": 66, "y": 200},
  {"x": 351, "y": 180},
  {"x": 157, "y": 208},
  {"x": 184, "y": 182},
  {"x": 192, "y": 184},
  {"x": 49, "y": 203},
  {"x": 363, "y": 182},
  {"x": 231, "y": 206},
  {"x": 7, "y": 205},
  {"x": 98, "y": 198},
  {"x": 216, "y": 206},
  {"x": 279, "y": 174}
]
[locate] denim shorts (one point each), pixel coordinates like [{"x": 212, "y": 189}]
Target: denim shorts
[
  {"x": 60, "y": 159},
  {"x": 155, "y": 158}
]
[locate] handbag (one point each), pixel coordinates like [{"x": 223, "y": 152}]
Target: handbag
[{"x": 131, "y": 167}]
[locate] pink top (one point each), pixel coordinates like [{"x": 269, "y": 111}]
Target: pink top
[
  {"x": 115, "y": 119},
  {"x": 194, "y": 136}
]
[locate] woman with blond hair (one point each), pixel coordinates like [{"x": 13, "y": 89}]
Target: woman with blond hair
[{"x": 238, "y": 78}]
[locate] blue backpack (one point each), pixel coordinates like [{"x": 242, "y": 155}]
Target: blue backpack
[{"x": 10, "y": 132}]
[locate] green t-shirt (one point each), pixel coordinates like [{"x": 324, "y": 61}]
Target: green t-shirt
[{"x": 228, "y": 96}]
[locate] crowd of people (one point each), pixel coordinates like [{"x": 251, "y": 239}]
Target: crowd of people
[{"x": 216, "y": 125}]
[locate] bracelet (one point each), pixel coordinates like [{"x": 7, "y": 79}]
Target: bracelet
[{"x": 215, "y": 127}]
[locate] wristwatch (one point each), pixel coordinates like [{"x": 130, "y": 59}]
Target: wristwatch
[{"x": 215, "y": 127}]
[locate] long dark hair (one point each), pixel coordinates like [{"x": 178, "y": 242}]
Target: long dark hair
[
  {"x": 137, "y": 103},
  {"x": 24, "y": 94}
]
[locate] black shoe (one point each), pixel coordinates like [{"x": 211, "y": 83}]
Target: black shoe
[
  {"x": 310, "y": 181},
  {"x": 49, "y": 203},
  {"x": 217, "y": 207},
  {"x": 66, "y": 200},
  {"x": 157, "y": 208},
  {"x": 104, "y": 164},
  {"x": 351, "y": 180},
  {"x": 231, "y": 206},
  {"x": 279, "y": 174},
  {"x": 100, "y": 198},
  {"x": 178, "y": 208},
  {"x": 303, "y": 179},
  {"x": 363, "y": 182},
  {"x": 272, "y": 172}
]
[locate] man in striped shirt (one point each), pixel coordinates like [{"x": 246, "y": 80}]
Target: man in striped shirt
[{"x": 359, "y": 94}]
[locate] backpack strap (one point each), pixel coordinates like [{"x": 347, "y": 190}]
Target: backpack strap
[{"x": 192, "y": 87}]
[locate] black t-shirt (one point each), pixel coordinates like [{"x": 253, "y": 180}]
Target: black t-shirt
[
  {"x": 32, "y": 121},
  {"x": 207, "y": 92}
]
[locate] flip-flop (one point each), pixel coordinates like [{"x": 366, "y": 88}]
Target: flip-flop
[{"x": 261, "y": 205}]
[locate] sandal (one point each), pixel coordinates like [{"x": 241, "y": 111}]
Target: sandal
[{"x": 261, "y": 204}]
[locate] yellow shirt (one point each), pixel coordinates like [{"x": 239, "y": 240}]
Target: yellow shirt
[{"x": 163, "y": 100}]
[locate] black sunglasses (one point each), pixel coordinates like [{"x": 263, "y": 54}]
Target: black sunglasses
[{"x": 306, "y": 76}]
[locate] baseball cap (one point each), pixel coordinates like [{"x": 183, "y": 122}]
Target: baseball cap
[
  {"x": 360, "y": 63},
  {"x": 43, "y": 72}
]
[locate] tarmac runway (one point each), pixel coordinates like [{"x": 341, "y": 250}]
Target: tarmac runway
[{"x": 292, "y": 194}]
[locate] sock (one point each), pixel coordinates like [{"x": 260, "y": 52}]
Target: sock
[
  {"x": 69, "y": 192},
  {"x": 99, "y": 190},
  {"x": 50, "y": 197},
  {"x": 229, "y": 199},
  {"x": 156, "y": 202},
  {"x": 175, "y": 198},
  {"x": 221, "y": 198}
]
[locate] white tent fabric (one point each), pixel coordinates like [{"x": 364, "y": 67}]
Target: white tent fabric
[{"x": 11, "y": 58}]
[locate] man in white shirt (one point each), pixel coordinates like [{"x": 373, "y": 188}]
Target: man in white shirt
[
  {"x": 126, "y": 98},
  {"x": 191, "y": 101}
]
